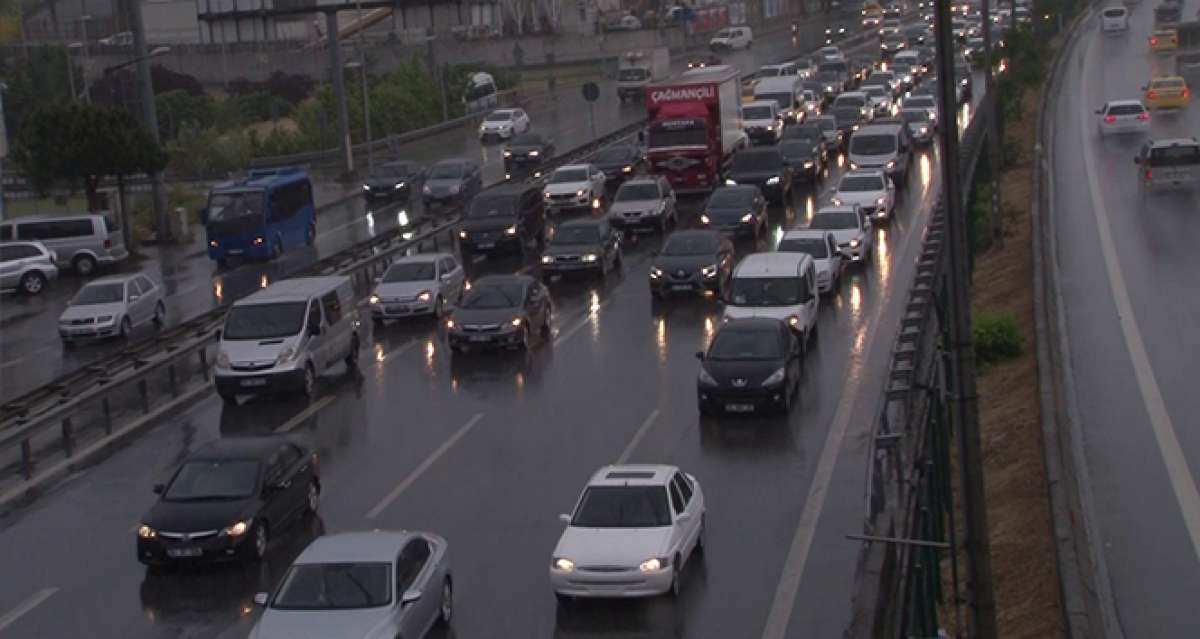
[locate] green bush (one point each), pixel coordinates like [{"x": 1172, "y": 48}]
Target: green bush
[
  {"x": 199, "y": 152},
  {"x": 997, "y": 337}
]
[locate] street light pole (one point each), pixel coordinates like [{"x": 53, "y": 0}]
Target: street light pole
[
  {"x": 87, "y": 92},
  {"x": 149, "y": 112},
  {"x": 71, "y": 71},
  {"x": 366, "y": 100}
]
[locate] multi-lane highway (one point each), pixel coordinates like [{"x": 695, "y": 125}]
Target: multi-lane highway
[
  {"x": 1128, "y": 267},
  {"x": 487, "y": 450}
]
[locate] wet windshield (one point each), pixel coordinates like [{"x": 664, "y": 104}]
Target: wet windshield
[
  {"x": 448, "y": 171},
  {"x": 568, "y": 175},
  {"x": 634, "y": 192},
  {"x": 834, "y": 220},
  {"x": 765, "y": 291},
  {"x": 688, "y": 135},
  {"x": 99, "y": 294},
  {"x": 690, "y": 245},
  {"x": 613, "y": 154},
  {"x": 390, "y": 170},
  {"x": 499, "y": 116},
  {"x": 264, "y": 321},
  {"x": 756, "y": 161},
  {"x": 757, "y": 113},
  {"x": 213, "y": 479},
  {"x": 623, "y": 507},
  {"x": 232, "y": 205},
  {"x": 861, "y": 183},
  {"x": 493, "y": 296},
  {"x": 913, "y": 116},
  {"x": 409, "y": 272},
  {"x": 798, "y": 149},
  {"x": 335, "y": 587},
  {"x": 581, "y": 234},
  {"x": 631, "y": 75},
  {"x": 872, "y": 144},
  {"x": 730, "y": 198},
  {"x": 741, "y": 345},
  {"x": 814, "y": 246},
  {"x": 492, "y": 206},
  {"x": 784, "y": 100}
]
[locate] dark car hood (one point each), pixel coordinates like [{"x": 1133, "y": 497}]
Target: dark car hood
[
  {"x": 194, "y": 516},
  {"x": 754, "y": 372},
  {"x": 466, "y": 316},
  {"x": 686, "y": 263},
  {"x": 801, "y": 158},
  {"x": 438, "y": 184},
  {"x": 522, "y": 149},
  {"x": 755, "y": 175},
  {"x": 613, "y": 167},
  {"x": 572, "y": 249},
  {"x": 490, "y": 223},
  {"x": 727, "y": 215}
]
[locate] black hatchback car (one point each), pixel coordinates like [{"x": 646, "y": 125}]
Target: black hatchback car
[
  {"x": 692, "y": 261},
  {"x": 507, "y": 217},
  {"x": 738, "y": 210},
  {"x": 500, "y": 311},
  {"x": 752, "y": 366},
  {"x": 587, "y": 245},
  {"x": 526, "y": 152},
  {"x": 619, "y": 161},
  {"x": 805, "y": 157},
  {"x": 392, "y": 180},
  {"x": 227, "y": 499},
  {"x": 848, "y": 118},
  {"x": 763, "y": 167}
]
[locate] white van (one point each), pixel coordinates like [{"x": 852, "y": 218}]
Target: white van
[
  {"x": 282, "y": 337},
  {"x": 778, "y": 285},
  {"x": 732, "y": 38},
  {"x": 786, "y": 91},
  {"x": 82, "y": 242},
  {"x": 480, "y": 93},
  {"x": 762, "y": 121},
  {"x": 1114, "y": 19}
]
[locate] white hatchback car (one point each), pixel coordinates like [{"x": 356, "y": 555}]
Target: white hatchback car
[
  {"x": 421, "y": 284},
  {"x": 633, "y": 530},
  {"x": 732, "y": 38},
  {"x": 1114, "y": 19},
  {"x": 871, "y": 189},
  {"x": 503, "y": 124},
  {"x": 850, "y": 227},
  {"x": 822, "y": 245},
  {"x": 1123, "y": 116},
  {"x": 574, "y": 186}
]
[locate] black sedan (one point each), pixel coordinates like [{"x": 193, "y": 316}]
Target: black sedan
[
  {"x": 739, "y": 210},
  {"x": 619, "y": 161},
  {"x": 692, "y": 261},
  {"x": 805, "y": 158},
  {"x": 500, "y": 311},
  {"x": 703, "y": 61},
  {"x": 392, "y": 181},
  {"x": 587, "y": 245},
  {"x": 763, "y": 167},
  {"x": 751, "y": 366},
  {"x": 526, "y": 152},
  {"x": 848, "y": 118},
  {"x": 227, "y": 500}
]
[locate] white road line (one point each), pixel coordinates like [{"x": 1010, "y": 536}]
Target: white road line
[
  {"x": 1182, "y": 479},
  {"x": 24, "y": 607},
  {"x": 12, "y": 362},
  {"x": 583, "y": 321},
  {"x": 420, "y": 470},
  {"x": 637, "y": 437},
  {"x": 399, "y": 350},
  {"x": 304, "y": 414}
]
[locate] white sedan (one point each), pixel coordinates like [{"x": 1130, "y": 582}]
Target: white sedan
[
  {"x": 503, "y": 124},
  {"x": 633, "y": 530},
  {"x": 871, "y": 189},
  {"x": 1123, "y": 116},
  {"x": 575, "y": 186}
]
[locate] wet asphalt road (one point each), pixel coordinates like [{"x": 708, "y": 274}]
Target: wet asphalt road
[
  {"x": 487, "y": 450},
  {"x": 30, "y": 351},
  {"x": 1133, "y": 336}
]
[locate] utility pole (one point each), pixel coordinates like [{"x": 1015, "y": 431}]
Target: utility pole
[
  {"x": 366, "y": 98},
  {"x": 3, "y": 148},
  {"x": 993, "y": 133},
  {"x": 339, "y": 91},
  {"x": 149, "y": 113},
  {"x": 435, "y": 73},
  {"x": 87, "y": 62},
  {"x": 964, "y": 408}
]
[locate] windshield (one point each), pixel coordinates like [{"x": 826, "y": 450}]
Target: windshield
[
  {"x": 1180, "y": 155},
  {"x": 493, "y": 296},
  {"x": 784, "y": 100},
  {"x": 623, "y": 507},
  {"x": 264, "y": 321},
  {"x": 613, "y": 154},
  {"x": 576, "y": 234},
  {"x": 850, "y": 100},
  {"x": 797, "y": 149},
  {"x": 872, "y": 144},
  {"x": 724, "y": 33},
  {"x": 761, "y": 161},
  {"x": 690, "y": 245},
  {"x": 448, "y": 171},
  {"x": 757, "y": 113},
  {"x": 921, "y": 101},
  {"x": 499, "y": 116},
  {"x": 99, "y": 294},
  {"x": 213, "y": 479},
  {"x": 915, "y": 115},
  {"x": 729, "y": 198},
  {"x": 814, "y": 246},
  {"x": 861, "y": 183},
  {"x": 688, "y": 135},
  {"x": 824, "y": 123},
  {"x": 741, "y": 345},
  {"x": 633, "y": 74},
  {"x": 409, "y": 272},
  {"x": 847, "y": 114},
  {"x": 768, "y": 72},
  {"x": 765, "y": 291},
  {"x": 635, "y": 191},
  {"x": 834, "y": 221},
  {"x": 335, "y": 587},
  {"x": 833, "y": 67},
  {"x": 232, "y": 205},
  {"x": 568, "y": 175},
  {"x": 875, "y": 91},
  {"x": 831, "y": 77},
  {"x": 527, "y": 139},
  {"x": 493, "y": 206}
]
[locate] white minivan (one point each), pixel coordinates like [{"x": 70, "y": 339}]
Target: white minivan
[
  {"x": 1114, "y": 19},
  {"x": 732, "y": 38},
  {"x": 282, "y": 337},
  {"x": 778, "y": 285},
  {"x": 787, "y": 92}
]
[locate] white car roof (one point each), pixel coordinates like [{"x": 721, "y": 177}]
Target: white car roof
[
  {"x": 633, "y": 475},
  {"x": 349, "y": 547},
  {"x": 1113, "y": 103},
  {"x": 830, "y": 208},
  {"x": 420, "y": 258},
  {"x": 772, "y": 264},
  {"x": 296, "y": 289},
  {"x": 573, "y": 167},
  {"x": 864, "y": 173},
  {"x": 508, "y": 112}
]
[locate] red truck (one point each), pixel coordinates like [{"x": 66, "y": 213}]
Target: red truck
[{"x": 695, "y": 126}]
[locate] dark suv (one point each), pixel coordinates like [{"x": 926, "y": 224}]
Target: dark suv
[
  {"x": 505, "y": 217},
  {"x": 526, "y": 153}
]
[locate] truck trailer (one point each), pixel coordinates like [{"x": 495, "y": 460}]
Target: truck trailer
[{"x": 695, "y": 126}]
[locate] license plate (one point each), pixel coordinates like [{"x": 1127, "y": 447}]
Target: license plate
[
  {"x": 480, "y": 338},
  {"x": 681, "y": 287},
  {"x": 254, "y": 382},
  {"x": 184, "y": 552},
  {"x": 397, "y": 309},
  {"x": 234, "y": 251},
  {"x": 486, "y": 245},
  {"x": 739, "y": 408}
]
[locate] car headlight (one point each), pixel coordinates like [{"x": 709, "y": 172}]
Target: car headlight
[
  {"x": 104, "y": 319},
  {"x": 482, "y": 128},
  {"x": 455, "y": 188},
  {"x": 547, "y": 259},
  {"x": 704, "y": 218},
  {"x": 706, "y": 378},
  {"x": 709, "y": 271},
  {"x": 462, "y": 234},
  {"x": 146, "y": 532},
  {"x": 627, "y": 169},
  {"x": 729, "y": 182},
  {"x": 374, "y": 299},
  {"x": 512, "y": 230},
  {"x": 579, "y": 193},
  {"x": 770, "y": 127},
  {"x": 450, "y": 324},
  {"x": 590, "y": 257},
  {"x": 285, "y": 355},
  {"x": 854, "y": 128},
  {"x": 427, "y": 189},
  {"x": 507, "y": 153},
  {"x": 891, "y": 164},
  {"x": 564, "y": 564},
  {"x": 654, "y": 565},
  {"x": 366, "y": 187},
  {"x": 747, "y": 218},
  {"x": 222, "y": 359},
  {"x": 837, "y": 201},
  {"x": 879, "y": 201},
  {"x": 774, "y": 378},
  {"x": 773, "y": 181},
  {"x": 793, "y": 321},
  {"x": 516, "y": 322},
  {"x": 212, "y": 243},
  {"x": 398, "y": 185},
  {"x": 534, "y": 153},
  {"x": 924, "y": 130},
  {"x": 424, "y": 296},
  {"x": 853, "y": 166},
  {"x": 238, "y": 528},
  {"x": 808, "y": 164},
  {"x": 854, "y": 243},
  {"x": 655, "y": 272}
]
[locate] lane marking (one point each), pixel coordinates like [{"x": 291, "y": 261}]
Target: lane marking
[
  {"x": 814, "y": 503},
  {"x": 637, "y": 437},
  {"x": 304, "y": 414},
  {"x": 1182, "y": 479},
  {"x": 399, "y": 350},
  {"x": 592, "y": 314},
  {"x": 24, "y": 607},
  {"x": 424, "y": 466}
]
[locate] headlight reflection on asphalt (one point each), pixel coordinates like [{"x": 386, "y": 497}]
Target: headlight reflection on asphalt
[
  {"x": 594, "y": 315},
  {"x": 926, "y": 170},
  {"x": 660, "y": 339}
]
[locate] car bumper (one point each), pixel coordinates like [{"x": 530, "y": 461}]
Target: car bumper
[
  {"x": 501, "y": 134},
  {"x": 485, "y": 340},
  {"x": 739, "y": 229},
  {"x": 490, "y": 244},
  {"x": 693, "y": 284},
  {"x": 1167, "y": 103},
  {"x": 763, "y": 136},
  {"x": 747, "y": 401},
  {"x": 83, "y": 332},
  {"x": 215, "y": 548},
  {"x": 386, "y": 194},
  {"x": 634, "y": 220},
  {"x": 571, "y": 202},
  {"x": 396, "y": 310},
  {"x": 1137, "y": 126},
  {"x": 231, "y": 382},
  {"x": 621, "y": 584},
  {"x": 575, "y": 266},
  {"x": 113, "y": 256}
]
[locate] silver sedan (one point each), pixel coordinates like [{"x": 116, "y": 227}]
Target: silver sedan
[{"x": 112, "y": 307}]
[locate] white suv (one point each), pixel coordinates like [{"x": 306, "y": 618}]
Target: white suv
[
  {"x": 871, "y": 189},
  {"x": 631, "y": 533},
  {"x": 574, "y": 186},
  {"x": 822, "y": 246},
  {"x": 503, "y": 124}
]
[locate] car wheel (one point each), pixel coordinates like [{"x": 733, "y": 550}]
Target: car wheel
[
  {"x": 160, "y": 315},
  {"x": 310, "y": 236},
  {"x": 260, "y": 539},
  {"x": 525, "y": 341},
  {"x": 32, "y": 283},
  {"x": 310, "y": 380},
  {"x": 700, "y": 537},
  {"x": 313, "y": 500},
  {"x": 446, "y": 607},
  {"x": 227, "y": 397},
  {"x": 352, "y": 356},
  {"x": 276, "y": 250},
  {"x": 439, "y": 307},
  {"x": 85, "y": 265},
  {"x": 546, "y": 326},
  {"x": 675, "y": 575},
  {"x": 126, "y": 327}
]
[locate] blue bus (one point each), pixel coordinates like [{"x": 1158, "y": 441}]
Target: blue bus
[{"x": 261, "y": 216}]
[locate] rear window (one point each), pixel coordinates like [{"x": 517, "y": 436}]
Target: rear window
[
  {"x": 1125, "y": 109},
  {"x": 1114, "y": 13},
  {"x": 1182, "y": 155},
  {"x": 1173, "y": 83},
  {"x": 55, "y": 230}
]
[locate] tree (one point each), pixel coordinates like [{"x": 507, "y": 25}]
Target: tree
[
  {"x": 70, "y": 142},
  {"x": 35, "y": 76}
]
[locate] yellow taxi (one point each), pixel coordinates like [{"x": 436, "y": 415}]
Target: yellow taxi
[
  {"x": 1164, "y": 40},
  {"x": 1168, "y": 92}
]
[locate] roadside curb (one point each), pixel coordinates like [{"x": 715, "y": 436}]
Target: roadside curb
[{"x": 1089, "y": 608}]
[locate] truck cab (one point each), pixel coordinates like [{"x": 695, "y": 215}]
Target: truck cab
[{"x": 694, "y": 126}]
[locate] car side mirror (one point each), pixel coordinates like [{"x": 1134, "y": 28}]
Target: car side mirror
[
  {"x": 260, "y": 598},
  {"x": 314, "y": 330},
  {"x": 683, "y": 517},
  {"x": 133, "y": 297},
  {"x": 564, "y": 518},
  {"x": 159, "y": 489},
  {"x": 410, "y": 596}
]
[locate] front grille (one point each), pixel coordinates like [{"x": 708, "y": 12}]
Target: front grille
[
  {"x": 562, "y": 196},
  {"x": 480, "y": 328},
  {"x": 605, "y": 568},
  {"x": 680, "y": 275},
  {"x": 193, "y": 536},
  {"x": 566, "y": 258},
  {"x": 251, "y": 366},
  {"x": 81, "y": 322}
]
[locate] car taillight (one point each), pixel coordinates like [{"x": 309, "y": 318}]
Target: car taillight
[
  {"x": 1152, "y": 95},
  {"x": 1143, "y": 116},
  {"x": 1185, "y": 92},
  {"x": 1149, "y": 174},
  {"x": 1110, "y": 118},
  {"x": 107, "y": 244},
  {"x": 1153, "y": 42}
]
